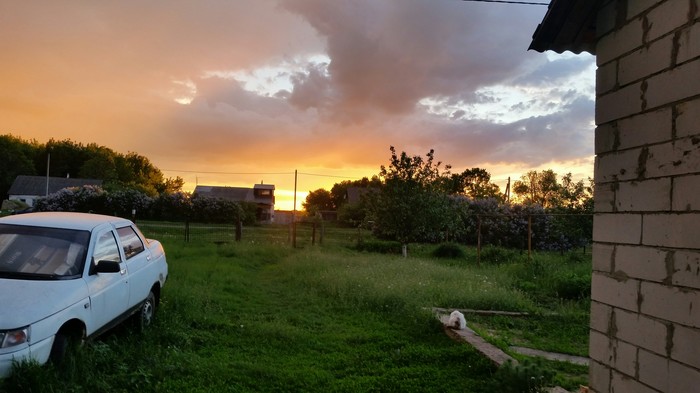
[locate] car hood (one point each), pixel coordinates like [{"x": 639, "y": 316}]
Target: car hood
[{"x": 23, "y": 302}]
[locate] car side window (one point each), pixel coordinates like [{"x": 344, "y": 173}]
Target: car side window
[
  {"x": 106, "y": 248},
  {"x": 131, "y": 242}
]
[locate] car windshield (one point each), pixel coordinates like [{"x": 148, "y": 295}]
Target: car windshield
[{"x": 41, "y": 253}]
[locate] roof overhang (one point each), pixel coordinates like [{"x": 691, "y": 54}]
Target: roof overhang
[{"x": 568, "y": 25}]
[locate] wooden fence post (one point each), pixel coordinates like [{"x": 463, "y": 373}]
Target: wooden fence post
[
  {"x": 478, "y": 241},
  {"x": 313, "y": 233},
  {"x": 239, "y": 230},
  {"x": 529, "y": 237},
  {"x": 187, "y": 231}
]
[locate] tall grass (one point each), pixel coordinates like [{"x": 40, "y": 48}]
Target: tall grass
[{"x": 248, "y": 317}]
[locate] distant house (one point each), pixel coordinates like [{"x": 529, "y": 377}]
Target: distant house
[
  {"x": 355, "y": 194},
  {"x": 261, "y": 194},
  {"x": 28, "y": 189}
]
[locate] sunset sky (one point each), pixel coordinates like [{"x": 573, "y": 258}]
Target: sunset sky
[{"x": 235, "y": 92}]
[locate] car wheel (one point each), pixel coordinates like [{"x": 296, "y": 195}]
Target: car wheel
[
  {"x": 147, "y": 312},
  {"x": 62, "y": 343}
]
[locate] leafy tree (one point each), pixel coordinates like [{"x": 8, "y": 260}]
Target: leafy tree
[
  {"x": 412, "y": 206},
  {"x": 99, "y": 164},
  {"x": 17, "y": 159},
  {"x": 539, "y": 188},
  {"x": 474, "y": 183},
  {"x": 318, "y": 200},
  {"x": 339, "y": 190},
  {"x": 136, "y": 171}
]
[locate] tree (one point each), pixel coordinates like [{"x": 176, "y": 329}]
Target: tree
[
  {"x": 539, "y": 188},
  {"x": 474, "y": 183},
  {"x": 411, "y": 206},
  {"x": 316, "y": 201},
  {"x": 16, "y": 160}
]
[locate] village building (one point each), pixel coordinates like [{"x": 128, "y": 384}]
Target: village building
[
  {"x": 263, "y": 195},
  {"x": 645, "y": 309},
  {"x": 27, "y": 189}
]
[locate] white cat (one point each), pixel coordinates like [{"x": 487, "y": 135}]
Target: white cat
[{"x": 457, "y": 320}]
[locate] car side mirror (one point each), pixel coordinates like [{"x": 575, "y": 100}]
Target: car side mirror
[{"x": 106, "y": 267}]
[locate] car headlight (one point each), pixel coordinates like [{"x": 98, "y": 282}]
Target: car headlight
[{"x": 10, "y": 338}]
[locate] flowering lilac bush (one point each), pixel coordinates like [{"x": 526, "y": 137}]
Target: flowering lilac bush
[
  {"x": 124, "y": 202},
  {"x": 88, "y": 199}
]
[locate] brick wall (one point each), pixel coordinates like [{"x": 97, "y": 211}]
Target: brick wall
[{"x": 645, "y": 312}]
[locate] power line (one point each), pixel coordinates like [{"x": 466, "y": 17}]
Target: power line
[
  {"x": 316, "y": 174},
  {"x": 508, "y": 2},
  {"x": 229, "y": 173}
]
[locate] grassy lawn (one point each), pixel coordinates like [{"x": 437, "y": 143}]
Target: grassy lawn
[{"x": 255, "y": 316}]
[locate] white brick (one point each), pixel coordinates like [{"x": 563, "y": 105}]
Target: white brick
[
  {"x": 677, "y": 84},
  {"x": 600, "y": 348},
  {"x": 617, "y": 166},
  {"x": 624, "y": 384},
  {"x": 619, "y": 42},
  {"x": 648, "y": 128},
  {"x": 606, "y": 138},
  {"x": 670, "y": 303},
  {"x": 617, "y": 228},
  {"x": 688, "y": 120},
  {"x": 625, "y": 357},
  {"x": 686, "y": 346},
  {"x": 670, "y": 159},
  {"x": 618, "y": 104},
  {"x": 683, "y": 378},
  {"x": 686, "y": 268},
  {"x": 654, "y": 370},
  {"x": 620, "y": 294},
  {"x": 644, "y": 263},
  {"x": 649, "y": 195},
  {"x": 667, "y": 17},
  {"x": 672, "y": 230},
  {"x": 686, "y": 195},
  {"x": 636, "y": 7},
  {"x": 599, "y": 377},
  {"x": 647, "y": 61},
  {"x": 604, "y": 200},
  {"x": 600, "y": 317},
  {"x": 689, "y": 43},
  {"x": 641, "y": 331},
  {"x": 603, "y": 257},
  {"x": 606, "y": 77}
]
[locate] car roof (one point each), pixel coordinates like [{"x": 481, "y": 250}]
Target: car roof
[{"x": 67, "y": 220}]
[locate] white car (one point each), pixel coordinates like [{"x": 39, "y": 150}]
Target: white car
[{"x": 69, "y": 276}]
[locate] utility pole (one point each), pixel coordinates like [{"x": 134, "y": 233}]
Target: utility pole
[
  {"x": 48, "y": 163},
  {"x": 294, "y": 213}
]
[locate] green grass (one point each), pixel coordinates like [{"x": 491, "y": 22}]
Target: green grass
[{"x": 255, "y": 316}]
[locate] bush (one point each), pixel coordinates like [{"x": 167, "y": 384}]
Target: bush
[
  {"x": 530, "y": 376},
  {"x": 572, "y": 286},
  {"x": 379, "y": 246},
  {"x": 449, "y": 250}
]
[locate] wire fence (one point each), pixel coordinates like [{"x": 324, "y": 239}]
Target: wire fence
[
  {"x": 526, "y": 232},
  {"x": 298, "y": 235}
]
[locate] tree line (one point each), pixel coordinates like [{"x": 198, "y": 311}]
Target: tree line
[
  {"x": 417, "y": 199},
  {"x": 131, "y": 183},
  {"x": 65, "y": 158}
]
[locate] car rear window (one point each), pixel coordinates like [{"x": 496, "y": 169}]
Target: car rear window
[
  {"x": 130, "y": 241},
  {"x": 42, "y": 253}
]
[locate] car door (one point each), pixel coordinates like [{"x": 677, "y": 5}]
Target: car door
[
  {"x": 138, "y": 262},
  {"x": 109, "y": 292}
]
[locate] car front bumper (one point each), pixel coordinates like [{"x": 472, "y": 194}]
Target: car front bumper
[{"x": 38, "y": 352}]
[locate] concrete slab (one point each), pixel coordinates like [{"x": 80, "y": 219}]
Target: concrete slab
[
  {"x": 493, "y": 353},
  {"x": 551, "y": 355}
]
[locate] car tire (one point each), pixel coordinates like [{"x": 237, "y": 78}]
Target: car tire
[
  {"x": 62, "y": 343},
  {"x": 147, "y": 311}
]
